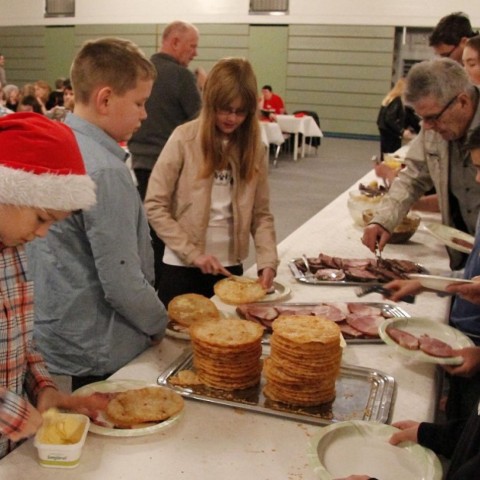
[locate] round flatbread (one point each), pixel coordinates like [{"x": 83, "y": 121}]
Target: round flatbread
[
  {"x": 149, "y": 404},
  {"x": 191, "y": 307},
  {"x": 239, "y": 290}
]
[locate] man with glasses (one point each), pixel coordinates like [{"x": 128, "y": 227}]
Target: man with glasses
[
  {"x": 449, "y": 36},
  {"x": 448, "y": 107}
]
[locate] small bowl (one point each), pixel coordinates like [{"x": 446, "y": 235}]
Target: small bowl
[
  {"x": 62, "y": 455},
  {"x": 404, "y": 231},
  {"x": 358, "y": 202}
]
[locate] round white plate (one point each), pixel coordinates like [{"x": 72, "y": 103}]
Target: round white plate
[
  {"x": 419, "y": 326},
  {"x": 280, "y": 292},
  {"x": 435, "y": 282},
  {"x": 361, "y": 448},
  {"x": 446, "y": 235},
  {"x": 118, "y": 386}
]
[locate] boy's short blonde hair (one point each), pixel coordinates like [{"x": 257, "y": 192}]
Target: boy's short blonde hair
[{"x": 113, "y": 62}]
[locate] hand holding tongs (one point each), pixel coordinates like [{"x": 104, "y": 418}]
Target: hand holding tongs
[{"x": 362, "y": 291}]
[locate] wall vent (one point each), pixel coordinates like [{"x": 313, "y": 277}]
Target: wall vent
[
  {"x": 59, "y": 8},
  {"x": 269, "y": 7}
]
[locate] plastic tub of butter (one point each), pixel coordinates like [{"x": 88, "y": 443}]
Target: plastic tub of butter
[{"x": 60, "y": 439}]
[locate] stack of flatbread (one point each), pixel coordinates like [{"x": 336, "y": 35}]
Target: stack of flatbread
[
  {"x": 226, "y": 353},
  {"x": 304, "y": 361}
]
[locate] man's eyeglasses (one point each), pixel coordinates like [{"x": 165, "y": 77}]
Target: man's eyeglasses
[
  {"x": 435, "y": 117},
  {"x": 448, "y": 54},
  {"x": 232, "y": 111}
]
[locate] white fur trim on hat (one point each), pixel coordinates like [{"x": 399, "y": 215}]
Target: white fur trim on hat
[{"x": 57, "y": 192}]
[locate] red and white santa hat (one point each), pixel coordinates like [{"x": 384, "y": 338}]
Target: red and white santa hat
[{"x": 41, "y": 165}]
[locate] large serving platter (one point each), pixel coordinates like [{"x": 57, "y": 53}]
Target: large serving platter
[
  {"x": 310, "y": 279},
  {"x": 361, "y": 394},
  {"x": 388, "y": 311}
]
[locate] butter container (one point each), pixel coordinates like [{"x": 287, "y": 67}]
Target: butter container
[{"x": 60, "y": 439}]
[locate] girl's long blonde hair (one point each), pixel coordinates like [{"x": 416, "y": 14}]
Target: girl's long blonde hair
[
  {"x": 230, "y": 79},
  {"x": 396, "y": 91}
]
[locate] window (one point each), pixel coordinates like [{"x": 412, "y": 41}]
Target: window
[
  {"x": 269, "y": 7},
  {"x": 59, "y": 8}
]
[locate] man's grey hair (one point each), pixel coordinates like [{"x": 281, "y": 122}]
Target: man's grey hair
[{"x": 440, "y": 78}]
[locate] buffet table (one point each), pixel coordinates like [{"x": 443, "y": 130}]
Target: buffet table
[
  {"x": 298, "y": 124},
  {"x": 214, "y": 442}
]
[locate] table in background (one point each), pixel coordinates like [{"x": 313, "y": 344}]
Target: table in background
[
  {"x": 211, "y": 441},
  {"x": 299, "y": 124},
  {"x": 272, "y": 135}
]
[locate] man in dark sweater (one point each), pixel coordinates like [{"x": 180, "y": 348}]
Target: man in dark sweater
[{"x": 175, "y": 98}]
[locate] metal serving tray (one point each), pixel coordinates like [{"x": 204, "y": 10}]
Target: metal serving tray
[
  {"x": 388, "y": 310},
  {"x": 362, "y": 394},
  {"x": 310, "y": 279}
]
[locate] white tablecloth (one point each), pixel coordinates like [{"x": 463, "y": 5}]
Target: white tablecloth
[
  {"x": 213, "y": 442},
  {"x": 305, "y": 125}
]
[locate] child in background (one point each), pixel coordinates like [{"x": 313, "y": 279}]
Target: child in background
[
  {"x": 96, "y": 308},
  {"x": 42, "y": 180}
]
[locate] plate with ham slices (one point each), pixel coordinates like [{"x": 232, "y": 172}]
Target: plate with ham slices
[
  {"x": 424, "y": 340},
  {"x": 451, "y": 237}
]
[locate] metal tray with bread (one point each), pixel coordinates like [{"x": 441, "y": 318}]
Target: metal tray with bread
[
  {"x": 361, "y": 394},
  {"x": 331, "y": 270},
  {"x": 358, "y": 321}
]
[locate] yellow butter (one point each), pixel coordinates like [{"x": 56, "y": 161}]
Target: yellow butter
[{"x": 60, "y": 428}]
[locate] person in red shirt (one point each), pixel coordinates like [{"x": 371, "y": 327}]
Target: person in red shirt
[{"x": 271, "y": 102}]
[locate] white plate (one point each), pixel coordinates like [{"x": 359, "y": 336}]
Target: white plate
[
  {"x": 446, "y": 234},
  {"x": 281, "y": 291},
  {"x": 437, "y": 283},
  {"x": 361, "y": 448},
  {"x": 417, "y": 327},
  {"x": 109, "y": 386}
]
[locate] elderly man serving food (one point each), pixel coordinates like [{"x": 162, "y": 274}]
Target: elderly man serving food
[{"x": 446, "y": 102}]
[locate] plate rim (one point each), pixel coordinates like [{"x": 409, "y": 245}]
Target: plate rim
[
  {"x": 132, "y": 432},
  {"x": 323, "y": 474},
  {"x": 418, "y": 354},
  {"x": 432, "y": 228},
  {"x": 447, "y": 280}
]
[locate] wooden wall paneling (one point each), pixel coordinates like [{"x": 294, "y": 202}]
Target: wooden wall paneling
[
  {"x": 341, "y": 72},
  {"x": 25, "y": 54}
]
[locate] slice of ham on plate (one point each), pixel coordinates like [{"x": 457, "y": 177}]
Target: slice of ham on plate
[
  {"x": 329, "y": 311},
  {"x": 435, "y": 340},
  {"x": 363, "y": 309},
  {"x": 367, "y": 324},
  {"x": 435, "y": 347},
  {"x": 403, "y": 338}
]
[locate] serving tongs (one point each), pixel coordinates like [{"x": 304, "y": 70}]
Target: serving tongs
[{"x": 362, "y": 291}]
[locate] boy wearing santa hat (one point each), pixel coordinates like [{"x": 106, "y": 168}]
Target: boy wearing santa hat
[
  {"x": 95, "y": 305},
  {"x": 42, "y": 180}
]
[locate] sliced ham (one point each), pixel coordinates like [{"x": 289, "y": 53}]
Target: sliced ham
[
  {"x": 349, "y": 331},
  {"x": 261, "y": 312},
  {"x": 403, "y": 338},
  {"x": 367, "y": 324},
  {"x": 363, "y": 309},
  {"x": 330, "y": 274},
  {"x": 329, "y": 311},
  {"x": 435, "y": 347}
]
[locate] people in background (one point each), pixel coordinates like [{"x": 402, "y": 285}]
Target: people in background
[
  {"x": 209, "y": 189},
  {"x": 55, "y": 98},
  {"x": 447, "y": 103},
  {"x": 68, "y": 95},
  {"x": 175, "y": 98},
  {"x": 42, "y": 93},
  {"x": 471, "y": 59},
  {"x": 271, "y": 103},
  {"x": 96, "y": 306},
  {"x": 42, "y": 180},
  {"x": 393, "y": 122},
  {"x": 29, "y": 103},
  {"x": 3, "y": 75},
  {"x": 450, "y": 35},
  {"x": 12, "y": 94}
]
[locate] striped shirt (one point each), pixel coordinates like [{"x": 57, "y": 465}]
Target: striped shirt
[{"x": 22, "y": 370}]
